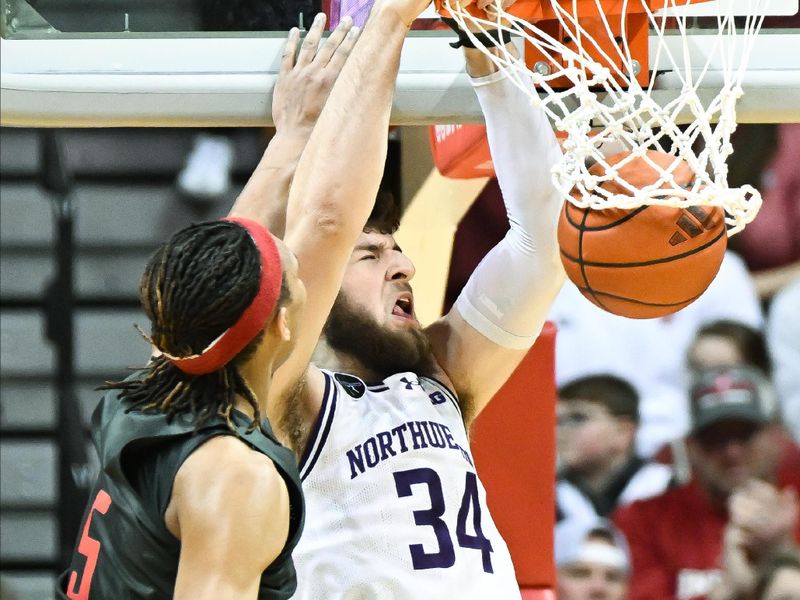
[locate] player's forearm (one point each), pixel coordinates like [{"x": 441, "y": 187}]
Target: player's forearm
[
  {"x": 524, "y": 150},
  {"x": 265, "y": 195},
  {"x": 508, "y": 296},
  {"x": 340, "y": 170}
]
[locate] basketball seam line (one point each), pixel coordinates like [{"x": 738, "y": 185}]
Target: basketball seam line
[
  {"x": 585, "y": 263},
  {"x": 583, "y": 227},
  {"x": 583, "y": 267},
  {"x": 642, "y": 302}
]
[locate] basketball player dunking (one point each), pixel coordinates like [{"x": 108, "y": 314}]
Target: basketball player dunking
[{"x": 380, "y": 419}]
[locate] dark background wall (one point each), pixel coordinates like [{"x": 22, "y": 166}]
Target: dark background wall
[{"x": 125, "y": 203}]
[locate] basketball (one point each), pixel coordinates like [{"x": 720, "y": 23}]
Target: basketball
[{"x": 645, "y": 262}]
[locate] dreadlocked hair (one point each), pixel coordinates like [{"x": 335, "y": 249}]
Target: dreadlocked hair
[{"x": 194, "y": 288}]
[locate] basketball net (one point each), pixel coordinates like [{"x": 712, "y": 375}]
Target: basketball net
[{"x": 604, "y": 109}]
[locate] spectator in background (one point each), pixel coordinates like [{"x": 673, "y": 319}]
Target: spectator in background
[
  {"x": 592, "y": 562},
  {"x": 727, "y": 343},
  {"x": 723, "y": 343},
  {"x": 742, "y": 481},
  {"x": 730, "y": 344},
  {"x": 649, "y": 353},
  {"x": 597, "y": 420},
  {"x": 783, "y": 340}
]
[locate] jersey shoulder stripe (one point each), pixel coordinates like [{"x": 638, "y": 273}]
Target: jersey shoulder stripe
[{"x": 322, "y": 427}]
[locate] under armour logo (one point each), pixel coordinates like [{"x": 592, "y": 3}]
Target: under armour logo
[
  {"x": 410, "y": 384},
  {"x": 692, "y": 222}
]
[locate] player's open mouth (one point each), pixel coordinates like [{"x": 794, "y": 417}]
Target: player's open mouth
[{"x": 404, "y": 307}]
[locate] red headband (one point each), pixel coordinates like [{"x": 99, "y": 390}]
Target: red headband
[{"x": 232, "y": 341}]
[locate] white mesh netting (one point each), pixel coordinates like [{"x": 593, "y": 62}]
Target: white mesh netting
[{"x": 605, "y": 110}]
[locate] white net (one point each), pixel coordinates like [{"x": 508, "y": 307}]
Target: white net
[{"x": 605, "y": 110}]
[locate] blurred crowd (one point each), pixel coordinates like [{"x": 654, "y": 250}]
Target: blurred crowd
[{"x": 678, "y": 459}]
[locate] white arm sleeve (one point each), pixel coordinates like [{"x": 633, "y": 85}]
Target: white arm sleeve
[{"x": 508, "y": 295}]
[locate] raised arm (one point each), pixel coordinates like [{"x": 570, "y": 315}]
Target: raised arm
[
  {"x": 338, "y": 177},
  {"x": 502, "y": 308},
  {"x": 304, "y": 83}
]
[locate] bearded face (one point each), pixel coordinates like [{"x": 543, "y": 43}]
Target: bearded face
[{"x": 352, "y": 330}]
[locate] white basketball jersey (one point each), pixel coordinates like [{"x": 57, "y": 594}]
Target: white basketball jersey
[{"x": 394, "y": 508}]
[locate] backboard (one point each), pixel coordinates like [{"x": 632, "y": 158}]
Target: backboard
[{"x": 84, "y": 63}]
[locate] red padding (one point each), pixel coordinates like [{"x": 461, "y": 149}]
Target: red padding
[
  {"x": 461, "y": 151},
  {"x": 513, "y": 441},
  {"x": 537, "y": 594}
]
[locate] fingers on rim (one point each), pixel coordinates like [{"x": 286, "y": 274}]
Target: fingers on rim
[
  {"x": 290, "y": 49},
  {"x": 343, "y": 49},
  {"x": 310, "y": 44},
  {"x": 335, "y": 41}
]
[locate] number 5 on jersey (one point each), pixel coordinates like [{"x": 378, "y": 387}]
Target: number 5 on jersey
[
  {"x": 89, "y": 548},
  {"x": 432, "y": 517}
]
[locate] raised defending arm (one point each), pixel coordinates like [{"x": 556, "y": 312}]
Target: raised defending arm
[
  {"x": 303, "y": 86},
  {"x": 338, "y": 176}
]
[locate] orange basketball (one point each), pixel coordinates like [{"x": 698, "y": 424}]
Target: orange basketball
[{"x": 644, "y": 262}]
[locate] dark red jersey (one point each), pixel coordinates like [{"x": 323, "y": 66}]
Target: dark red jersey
[
  {"x": 124, "y": 548},
  {"x": 676, "y": 539}
]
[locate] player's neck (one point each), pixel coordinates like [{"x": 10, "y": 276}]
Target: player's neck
[
  {"x": 257, "y": 373},
  {"x": 326, "y": 357}
]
